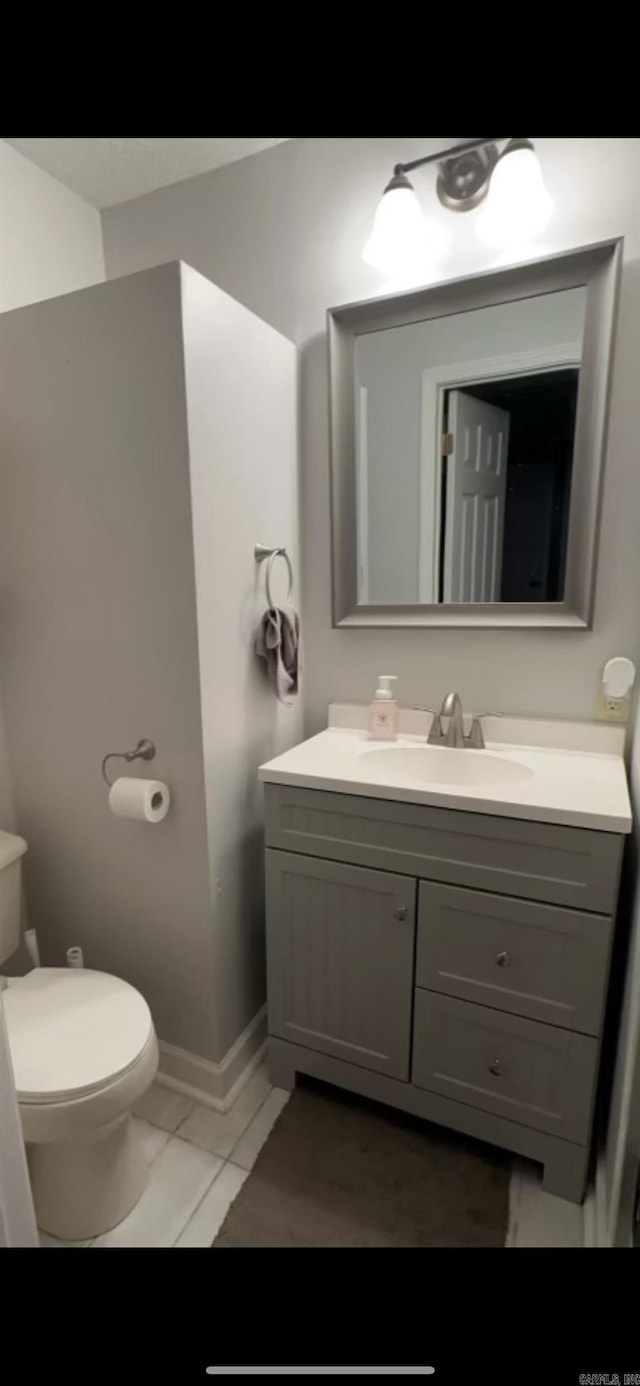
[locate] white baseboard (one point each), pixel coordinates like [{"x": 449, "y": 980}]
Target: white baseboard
[
  {"x": 595, "y": 1209},
  {"x": 215, "y": 1085}
]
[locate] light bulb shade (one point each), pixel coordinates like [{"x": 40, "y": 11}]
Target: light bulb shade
[
  {"x": 518, "y": 205},
  {"x": 400, "y": 241}
]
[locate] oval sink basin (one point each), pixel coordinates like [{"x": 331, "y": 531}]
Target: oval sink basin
[{"x": 441, "y": 765}]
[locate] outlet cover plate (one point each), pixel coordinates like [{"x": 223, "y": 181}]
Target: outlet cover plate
[{"x": 611, "y": 709}]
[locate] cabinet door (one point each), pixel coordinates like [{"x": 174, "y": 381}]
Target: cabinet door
[{"x": 340, "y": 946}]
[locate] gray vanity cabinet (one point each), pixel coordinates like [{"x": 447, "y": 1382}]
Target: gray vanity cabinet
[
  {"x": 340, "y": 964},
  {"x": 452, "y": 964}
]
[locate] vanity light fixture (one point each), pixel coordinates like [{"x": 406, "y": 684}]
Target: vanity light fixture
[
  {"x": 400, "y": 236},
  {"x": 517, "y": 203}
]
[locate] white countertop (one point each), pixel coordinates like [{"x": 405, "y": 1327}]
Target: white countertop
[{"x": 576, "y": 773}]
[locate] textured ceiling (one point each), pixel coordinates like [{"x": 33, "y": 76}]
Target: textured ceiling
[{"x": 105, "y": 172}]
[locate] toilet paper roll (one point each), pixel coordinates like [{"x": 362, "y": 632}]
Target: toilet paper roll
[{"x": 147, "y": 800}]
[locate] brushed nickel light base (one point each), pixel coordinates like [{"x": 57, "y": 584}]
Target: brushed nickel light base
[{"x": 463, "y": 181}]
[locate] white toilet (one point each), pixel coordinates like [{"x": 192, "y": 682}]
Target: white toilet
[{"x": 83, "y": 1049}]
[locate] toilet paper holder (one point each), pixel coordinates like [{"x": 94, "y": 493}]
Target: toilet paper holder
[{"x": 145, "y": 750}]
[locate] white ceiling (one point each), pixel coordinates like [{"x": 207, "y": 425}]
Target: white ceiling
[{"x": 105, "y": 172}]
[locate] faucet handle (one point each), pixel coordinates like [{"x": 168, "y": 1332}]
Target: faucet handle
[{"x": 475, "y": 738}]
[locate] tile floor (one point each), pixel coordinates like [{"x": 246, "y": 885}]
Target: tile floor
[{"x": 199, "y": 1160}]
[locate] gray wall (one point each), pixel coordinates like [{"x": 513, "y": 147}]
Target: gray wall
[
  {"x": 50, "y": 243},
  {"x": 241, "y": 381},
  {"x": 282, "y": 232},
  {"x": 98, "y": 641},
  {"x": 621, "y": 1155},
  {"x": 149, "y": 439},
  {"x": 50, "y": 239}
]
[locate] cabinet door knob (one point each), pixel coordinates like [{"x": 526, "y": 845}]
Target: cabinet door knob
[
  {"x": 401, "y": 913},
  {"x": 503, "y": 959},
  {"x": 495, "y": 1067}
]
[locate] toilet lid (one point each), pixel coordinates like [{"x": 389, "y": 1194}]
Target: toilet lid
[{"x": 72, "y": 1031}]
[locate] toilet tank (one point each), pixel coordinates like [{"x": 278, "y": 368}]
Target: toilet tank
[{"x": 12, "y": 849}]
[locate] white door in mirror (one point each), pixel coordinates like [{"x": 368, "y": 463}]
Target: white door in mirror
[{"x": 476, "y": 499}]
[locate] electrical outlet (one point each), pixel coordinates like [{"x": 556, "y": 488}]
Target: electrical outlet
[
  {"x": 611, "y": 709},
  {"x": 613, "y": 693}
]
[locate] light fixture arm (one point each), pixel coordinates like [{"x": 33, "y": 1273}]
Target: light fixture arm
[
  {"x": 443, "y": 154},
  {"x": 465, "y": 173}
]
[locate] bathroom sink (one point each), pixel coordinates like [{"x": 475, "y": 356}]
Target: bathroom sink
[
  {"x": 538, "y": 770},
  {"x": 441, "y": 765}
]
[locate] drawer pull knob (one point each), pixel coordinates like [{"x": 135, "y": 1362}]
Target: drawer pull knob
[
  {"x": 496, "y": 1068},
  {"x": 401, "y": 913},
  {"x": 503, "y": 959}
]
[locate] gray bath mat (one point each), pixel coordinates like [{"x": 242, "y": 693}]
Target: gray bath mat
[{"x": 339, "y": 1171}]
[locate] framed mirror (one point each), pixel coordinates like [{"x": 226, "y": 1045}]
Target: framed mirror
[{"x": 468, "y": 425}]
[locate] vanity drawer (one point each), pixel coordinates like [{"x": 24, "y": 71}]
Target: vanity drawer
[
  {"x": 534, "y": 1074},
  {"x": 538, "y": 861},
  {"x": 534, "y": 960}
]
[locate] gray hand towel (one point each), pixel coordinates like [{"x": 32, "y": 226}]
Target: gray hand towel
[{"x": 278, "y": 642}]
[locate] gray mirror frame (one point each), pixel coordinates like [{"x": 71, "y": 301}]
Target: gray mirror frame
[{"x": 597, "y": 268}]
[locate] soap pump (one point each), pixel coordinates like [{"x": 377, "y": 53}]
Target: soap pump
[{"x": 383, "y": 711}]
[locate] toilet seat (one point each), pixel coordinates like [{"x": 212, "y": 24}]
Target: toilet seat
[{"x": 73, "y": 1033}]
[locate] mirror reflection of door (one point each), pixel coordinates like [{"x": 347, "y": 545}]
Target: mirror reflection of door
[
  {"x": 506, "y": 487},
  {"x": 476, "y": 489},
  {"x": 486, "y": 520}
]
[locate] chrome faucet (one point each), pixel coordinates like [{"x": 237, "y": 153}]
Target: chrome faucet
[{"x": 455, "y": 734}]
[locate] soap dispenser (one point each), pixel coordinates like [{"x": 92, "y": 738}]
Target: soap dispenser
[{"x": 383, "y": 711}]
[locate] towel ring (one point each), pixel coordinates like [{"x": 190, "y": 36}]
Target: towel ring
[{"x": 260, "y": 553}]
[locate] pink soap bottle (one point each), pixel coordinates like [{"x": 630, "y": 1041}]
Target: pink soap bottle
[{"x": 383, "y": 711}]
